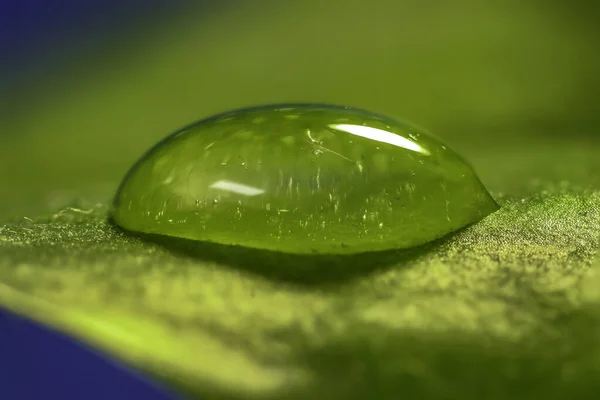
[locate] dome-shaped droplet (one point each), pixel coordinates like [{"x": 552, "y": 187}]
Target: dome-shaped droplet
[{"x": 301, "y": 178}]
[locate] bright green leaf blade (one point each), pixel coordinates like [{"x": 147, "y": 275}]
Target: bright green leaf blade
[{"x": 237, "y": 328}]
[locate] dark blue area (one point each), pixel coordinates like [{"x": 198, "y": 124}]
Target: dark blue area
[
  {"x": 37, "y": 33},
  {"x": 37, "y": 363},
  {"x": 28, "y": 24}
]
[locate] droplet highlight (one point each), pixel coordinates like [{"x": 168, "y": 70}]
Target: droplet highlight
[{"x": 302, "y": 178}]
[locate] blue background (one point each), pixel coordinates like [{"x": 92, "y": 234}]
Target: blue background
[{"x": 38, "y": 363}]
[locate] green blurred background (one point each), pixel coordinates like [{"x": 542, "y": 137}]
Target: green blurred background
[{"x": 511, "y": 85}]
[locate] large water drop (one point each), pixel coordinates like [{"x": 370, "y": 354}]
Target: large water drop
[{"x": 301, "y": 178}]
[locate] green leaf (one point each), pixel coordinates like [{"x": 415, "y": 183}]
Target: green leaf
[{"x": 494, "y": 299}]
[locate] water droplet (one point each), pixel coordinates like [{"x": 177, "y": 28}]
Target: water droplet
[{"x": 391, "y": 185}]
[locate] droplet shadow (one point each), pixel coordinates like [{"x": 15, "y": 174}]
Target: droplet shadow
[{"x": 300, "y": 269}]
